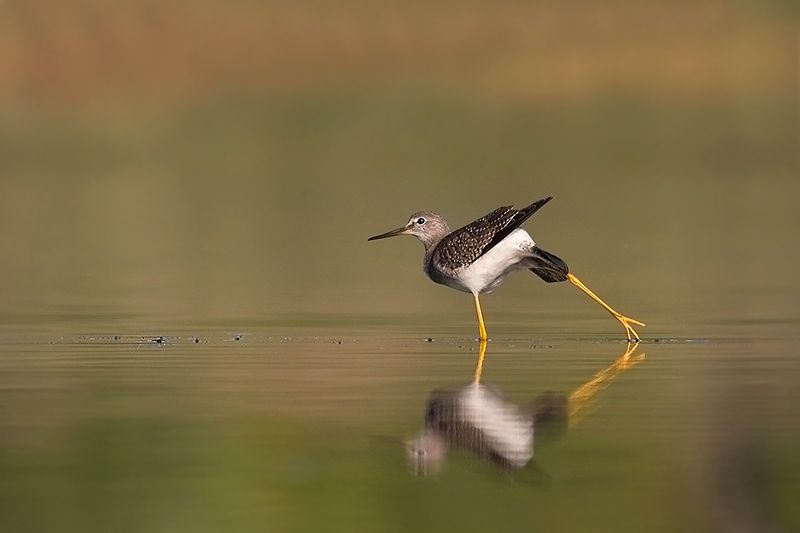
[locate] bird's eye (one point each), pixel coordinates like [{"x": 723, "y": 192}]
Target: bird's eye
[{"x": 420, "y": 221}]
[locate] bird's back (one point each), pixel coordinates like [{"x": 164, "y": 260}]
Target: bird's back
[{"x": 464, "y": 245}]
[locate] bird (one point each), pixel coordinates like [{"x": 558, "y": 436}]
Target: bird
[{"x": 477, "y": 257}]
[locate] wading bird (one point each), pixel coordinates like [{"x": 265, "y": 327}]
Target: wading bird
[{"x": 479, "y": 256}]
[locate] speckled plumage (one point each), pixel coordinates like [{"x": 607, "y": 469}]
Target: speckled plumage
[
  {"x": 471, "y": 258},
  {"x": 479, "y": 256},
  {"x": 464, "y": 245}
]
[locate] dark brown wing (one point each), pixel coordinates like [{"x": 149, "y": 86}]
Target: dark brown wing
[
  {"x": 521, "y": 216},
  {"x": 465, "y": 245}
]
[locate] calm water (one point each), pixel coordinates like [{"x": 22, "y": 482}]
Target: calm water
[{"x": 196, "y": 335}]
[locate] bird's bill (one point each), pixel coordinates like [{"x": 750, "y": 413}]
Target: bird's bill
[{"x": 393, "y": 233}]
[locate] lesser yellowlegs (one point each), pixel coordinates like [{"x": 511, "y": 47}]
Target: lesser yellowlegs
[{"x": 479, "y": 256}]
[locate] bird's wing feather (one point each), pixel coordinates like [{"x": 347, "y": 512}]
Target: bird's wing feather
[
  {"x": 465, "y": 245},
  {"x": 519, "y": 217}
]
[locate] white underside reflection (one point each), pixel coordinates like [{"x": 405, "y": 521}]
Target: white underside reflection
[{"x": 477, "y": 418}]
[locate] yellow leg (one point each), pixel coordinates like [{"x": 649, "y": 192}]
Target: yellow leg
[
  {"x": 479, "y": 366},
  {"x": 581, "y": 396},
  {"x": 482, "y": 328},
  {"x": 626, "y": 322}
]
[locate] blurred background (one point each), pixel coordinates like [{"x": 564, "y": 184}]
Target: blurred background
[{"x": 210, "y": 171}]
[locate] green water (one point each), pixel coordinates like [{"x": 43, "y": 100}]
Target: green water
[{"x": 295, "y": 357}]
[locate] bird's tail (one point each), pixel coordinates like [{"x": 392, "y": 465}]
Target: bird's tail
[{"x": 550, "y": 268}]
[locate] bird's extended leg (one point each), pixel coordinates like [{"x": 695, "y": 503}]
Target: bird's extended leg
[
  {"x": 626, "y": 322},
  {"x": 479, "y": 366},
  {"x": 482, "y": 328}
]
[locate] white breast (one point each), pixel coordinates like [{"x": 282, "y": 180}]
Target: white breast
[{"x": 489, "y": 270}]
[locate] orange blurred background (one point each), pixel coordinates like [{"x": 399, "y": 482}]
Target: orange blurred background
[{"x": 90, "y": 51}]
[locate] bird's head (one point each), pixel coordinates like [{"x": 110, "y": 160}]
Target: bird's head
[{"x": 427, "y": 226}]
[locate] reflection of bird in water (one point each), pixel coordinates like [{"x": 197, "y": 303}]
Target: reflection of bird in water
[
  {"x": 478, "y": 419},
  {"x": 479, "y": 256}
]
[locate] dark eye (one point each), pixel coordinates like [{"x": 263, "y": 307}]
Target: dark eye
[{"x": 420, "y": 221}]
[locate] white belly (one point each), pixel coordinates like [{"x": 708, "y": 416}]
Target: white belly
[{"x": 489, "y": 270}]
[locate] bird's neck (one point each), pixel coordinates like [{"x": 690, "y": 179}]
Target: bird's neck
[{"x": 430, "y": 246}]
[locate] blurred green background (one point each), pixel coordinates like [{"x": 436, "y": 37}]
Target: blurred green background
[
  {"x": 200, "y": 160},
  {"x": 202, "y": 170}
]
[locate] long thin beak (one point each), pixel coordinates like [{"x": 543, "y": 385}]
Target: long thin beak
[{"x": 393, "y": 233}]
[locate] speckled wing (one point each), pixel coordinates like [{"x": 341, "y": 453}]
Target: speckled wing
[{"x": 465, "y": 245}]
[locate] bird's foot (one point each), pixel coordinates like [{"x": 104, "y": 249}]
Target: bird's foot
[{"x": 626, "y": 323}]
